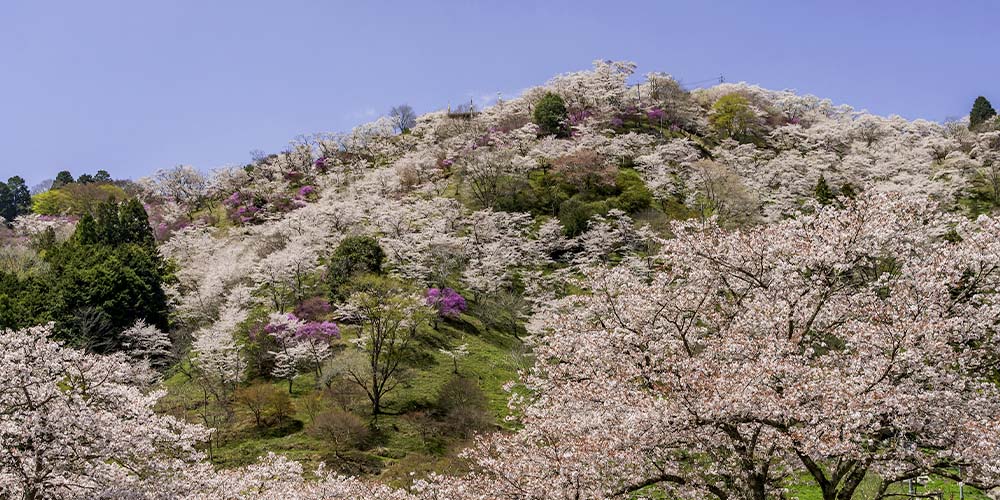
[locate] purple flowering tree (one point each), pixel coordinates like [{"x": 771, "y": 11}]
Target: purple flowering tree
[
  {"x": 656, "y": 115},
  {"x": 301, "y": 344},
  {"x": 446, "y": 301}
]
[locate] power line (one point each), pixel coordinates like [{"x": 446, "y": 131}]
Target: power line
[{"x": 689, "y": 85}]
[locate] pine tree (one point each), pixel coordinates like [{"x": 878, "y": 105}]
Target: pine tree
[
  {"x": 62, "y": 178},
  {"x": 982, "y": 111}
]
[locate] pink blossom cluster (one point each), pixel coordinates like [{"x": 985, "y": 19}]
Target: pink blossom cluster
[{"x": 313, "y": 330}]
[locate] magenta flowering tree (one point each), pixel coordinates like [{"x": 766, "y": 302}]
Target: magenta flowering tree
[
  {"x": 656, "y": 115},
  {"x": 446, "y": 301},
  {"x": 318, "y": 330},
  {"x": 301, "y": 345},
  {"x": 243, "y": 208},
  {"x": 307, "y": 191}
]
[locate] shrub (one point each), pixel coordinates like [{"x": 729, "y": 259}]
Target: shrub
[
  {"x": 635, "y": 196},
  {"x": 266, "y": 403},
  {"x": 342, "y": 430},
  {"x": 461, "y": 407},
  {"x": 550, "y": 115},
  {"x": 574, "y": 215}
]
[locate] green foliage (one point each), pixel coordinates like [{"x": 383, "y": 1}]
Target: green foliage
[
  {"x": 630, "y": 194},
  {"x": 824, "y": 195},
  {"x": 24, "y": 301},
  {"x": 98, "y": 283},
  {"x": 550, "y": 115},
  {"x": 15, "y": 198},
  {"x": 102, "y": 176},
  {"x": 62, "y": 178},
  {"x": 51, "y": 202},
  {"x": 574, "y": 214},
  {"x": 732, "y": 117},
  {"x": 848, "y": 191},
  {"x": 545, "y": 192},
  {"x": 981, "y": 112},
  {"x": 635, "y": 196},
  {"x": 76, "y": 199},
  {"x": 355, "y": 255},
  {"x": 123, "y": 283}
]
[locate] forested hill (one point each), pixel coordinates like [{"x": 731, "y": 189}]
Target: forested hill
[{"x": 598, "y": 289}]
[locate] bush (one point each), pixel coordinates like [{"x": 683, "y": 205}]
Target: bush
[
  {"x": 342, "y": 430},
  {"x": 574, "y": 214},
  {"x": 550, "y": 115},
  {"x": 267, "y": 404},
  {"x": 635, "y": 196},
  {"x": 461, "y": 407}
]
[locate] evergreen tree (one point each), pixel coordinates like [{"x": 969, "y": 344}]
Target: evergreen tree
[
  {"x": 550, "y": 115},
  {"x": 86, "y": 231},
  {"x": 102, "y": 176},
  {"x": 62, "y": 178},
  {"x": 824, "y": 195},
  {"x": 982, "y": 111},
  {"x": 5, "y": 203},
  {"x": 20, "y": 195},
  {"x": 107, "y": 276},
  {"x": 15, "y": 198},
  {"x": 133, "y": 225}
]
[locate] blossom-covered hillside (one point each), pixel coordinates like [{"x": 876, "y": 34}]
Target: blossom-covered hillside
[{"x": 607, "y": 287}]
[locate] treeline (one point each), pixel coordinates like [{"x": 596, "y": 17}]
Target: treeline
[{"x": 100, "y": 281}]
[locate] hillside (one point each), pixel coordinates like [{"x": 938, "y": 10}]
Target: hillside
[{"x": 598, "y": 289}]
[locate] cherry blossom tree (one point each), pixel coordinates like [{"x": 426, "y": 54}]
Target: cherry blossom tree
[
  {"x": 844, "y": 343},
  {"x": 73, "y": 424},
  {"x": 147, "y": 342}
]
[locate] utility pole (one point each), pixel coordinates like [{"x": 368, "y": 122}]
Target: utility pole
[{"x": 961, "y": 484}]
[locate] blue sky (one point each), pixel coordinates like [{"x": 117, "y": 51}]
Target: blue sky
[{"x": 132, "y": 86}]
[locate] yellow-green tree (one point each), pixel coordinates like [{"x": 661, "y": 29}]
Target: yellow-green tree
[{"x": 733, "y": 117}]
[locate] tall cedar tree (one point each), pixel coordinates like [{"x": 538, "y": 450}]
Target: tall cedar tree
[{"x": 982, "y": 111}]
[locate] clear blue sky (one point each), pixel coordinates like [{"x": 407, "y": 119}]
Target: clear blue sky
[{"x": 132, "y": 86}]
